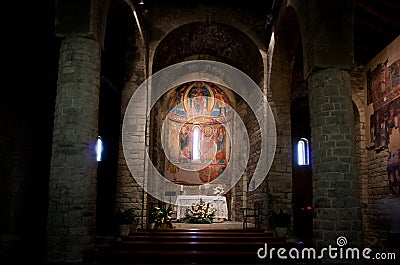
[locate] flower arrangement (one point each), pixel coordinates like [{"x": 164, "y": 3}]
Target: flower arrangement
[
  {"x": 200, "y": 213},
  {"x": 219, "y": 191}
]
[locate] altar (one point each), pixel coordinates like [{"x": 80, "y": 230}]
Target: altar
[{"x": 185, "y": 201}]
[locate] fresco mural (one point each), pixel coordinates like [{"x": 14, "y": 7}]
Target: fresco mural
[
  {"x": 185, "y": 152},
  {"x": 383, "y": 122},
  {"x": 197, "y": 138},
  {"x": 383, "y": 88}
]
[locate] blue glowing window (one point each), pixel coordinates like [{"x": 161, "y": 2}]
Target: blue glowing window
[
  {"x": 99, "y": 149},
  {"x": 303, "y": 153}
]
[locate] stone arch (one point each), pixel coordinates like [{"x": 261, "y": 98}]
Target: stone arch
[
  {"x": 286, "y": 43},
  {"x": 122, "y": 62},
  {"x": 359, "y": 105},
  {"x": 224, "y": 15},
  {"x": 212, "y": 39},
  {"x": 361, "y": 134}
]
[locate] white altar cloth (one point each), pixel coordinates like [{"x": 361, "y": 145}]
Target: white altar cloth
[{"x": 218, "y": 202}]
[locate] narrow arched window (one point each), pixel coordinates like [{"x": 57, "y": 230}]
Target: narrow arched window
[
  {"x": 303, "y": 152},
  {"x": 99, "y": 149},
  {"x": 196, "y": 142}
]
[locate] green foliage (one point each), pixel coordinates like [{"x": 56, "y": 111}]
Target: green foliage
[
  {"x": 127, "y": 216},
  {"x": 162, "y": 216}
]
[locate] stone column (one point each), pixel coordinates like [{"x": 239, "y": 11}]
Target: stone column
[
  {"x": 72, "y": 184},
  {"x": 335, "y": 181}
]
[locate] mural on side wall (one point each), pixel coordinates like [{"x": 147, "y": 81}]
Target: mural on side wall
[
  {"x": 383, "y": 87},
  {"x": 198, "y": 126}
]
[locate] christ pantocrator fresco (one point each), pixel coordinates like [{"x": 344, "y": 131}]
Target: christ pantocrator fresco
[{"x": 197, "y": 129}]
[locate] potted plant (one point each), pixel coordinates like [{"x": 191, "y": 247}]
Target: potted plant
[
  {"x": 126, "y": 219},
  {"x": 280, "y": 222},
  {"x": 161, "y": 216}
]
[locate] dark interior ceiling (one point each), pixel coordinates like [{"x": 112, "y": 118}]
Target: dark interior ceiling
[{"x": 376, "y": 25}]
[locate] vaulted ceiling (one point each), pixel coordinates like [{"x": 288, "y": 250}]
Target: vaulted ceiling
[
  {"x": 376, "y": 25},
  {"x": 376, "y": 22}
]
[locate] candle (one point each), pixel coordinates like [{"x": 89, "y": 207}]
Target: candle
[{"x": 181, "y": 187}]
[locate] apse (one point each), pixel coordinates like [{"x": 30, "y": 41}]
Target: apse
[{"x": 196, "y": 133}]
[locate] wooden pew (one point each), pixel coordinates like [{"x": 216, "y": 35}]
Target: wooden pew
[
  {"x": 189, "y": 247},
  {"x": 184, "y": 230},
  {"x": 202, "y": 235},
  {"x": 177, "y": 256},
  {"x": 202, "y": 238},
  {"x": 206, "y": 255},
  {"x": 200, "y": 232},
  {"x": 200, "y": 245}
]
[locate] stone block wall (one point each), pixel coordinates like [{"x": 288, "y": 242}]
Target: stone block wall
[
  {"x": 358, "y": 97},
  {"x": 335, "y": 178},
  {"x": 129, "y": 193},
  {"x": 72, "y": 186},
  {"x": 280, "y": 175},
  {"x": 376, "y": 196}
]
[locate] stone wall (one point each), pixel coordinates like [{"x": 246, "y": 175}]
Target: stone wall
[
  {"x": 335, "y": 179},
  {"x": 128, "y": 192},
  {"x": 243, "y": 197},
  {"x": 72, "y": 186},
  {"x": 376, "y": 194},
  {"x": 358, "y": 97}
]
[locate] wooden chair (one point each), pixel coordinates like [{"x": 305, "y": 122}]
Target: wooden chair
[{"x": 252, "y": 213}]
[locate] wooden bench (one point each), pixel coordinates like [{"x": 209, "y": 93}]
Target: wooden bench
[
  {"x": 201, "y": 232},
  {"x": 197, "y": 245},
  {"x": 189, "y": 247},
  {"x": 185, "y": 235},
  {"x": 203, "y": 256},
  {"x": 208, "y": 238},
  {"x": 226, "y": 230}
]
